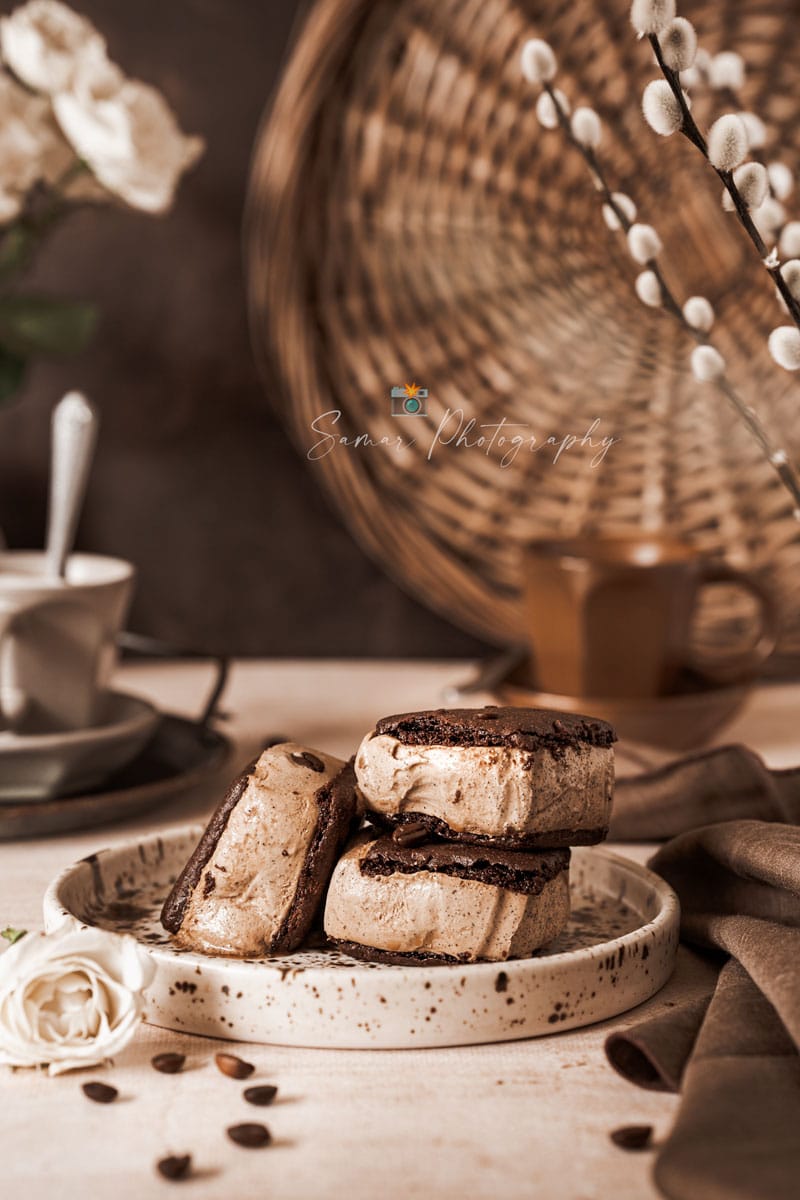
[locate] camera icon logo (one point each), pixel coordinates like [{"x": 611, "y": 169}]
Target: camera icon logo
[{"x": 409, "y": 401}]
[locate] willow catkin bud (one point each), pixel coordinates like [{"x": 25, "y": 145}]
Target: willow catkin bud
[
  {"x": 756, "y": 130},
  {"x": 752, "y": 184},
  {"x": 698, "y": 313},
  {"x": 784, "y": 346},
  {"x": 727, "y": 142},
  {"x": 546, "y": 113},
  {"x": 586, "y": 127},
  {"x": 791, "y": 276},
  {"x": 644, "y": 243},
  {"x": 781, "y": 180},
  {"x": 538, "y": 61},
  {"x": 648, "y": 289},
  {"x": 789, "y": 245},
  {"x": 726, "y": 70},
  {"x": 650, "y": 16},
  {"x": 625, "y": 205},
  {"x": 707, "y": 364},
  {"x": 661, "y": 108},
  {"x": 678, "y": 42}
]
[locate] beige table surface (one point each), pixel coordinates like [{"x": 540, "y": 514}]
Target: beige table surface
[{"x": 519, "y": 1119}]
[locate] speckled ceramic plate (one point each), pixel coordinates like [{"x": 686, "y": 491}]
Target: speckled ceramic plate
[{"x": 617, "y": 951}]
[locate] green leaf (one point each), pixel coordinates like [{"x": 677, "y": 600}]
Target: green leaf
[
  {"x": 13, "y": 935},
  {"x": 43, "y": 325},
  {"x": 12, "y": 371},
  {"x": 16, "y": 249}
]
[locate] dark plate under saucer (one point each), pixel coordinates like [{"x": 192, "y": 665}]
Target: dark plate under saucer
[{"x": 180, "y": 753}]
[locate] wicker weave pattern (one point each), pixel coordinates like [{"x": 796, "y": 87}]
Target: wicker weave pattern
[{"x": 410, "y": 221}]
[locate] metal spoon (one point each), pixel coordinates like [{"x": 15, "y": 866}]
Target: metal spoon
[{"x": 73, "y": 438}]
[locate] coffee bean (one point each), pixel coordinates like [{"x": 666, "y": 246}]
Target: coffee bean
[
  {"x": 168, "y": 1064},
  {"x": 633, "y": 1137},
  {"x": 409, "y": 834},
  {"x": 250, "y": 1134},
  {"x": 101, "y": 1093},
  {"x": 176, "y": 1166},
  {"x": 304, "y": 759},
  {"x": 262, "y": 1095},
  {"x": 235, "y": 1067}
]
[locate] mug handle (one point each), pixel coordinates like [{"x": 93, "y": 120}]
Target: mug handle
[{"x": 730, "y": 669}]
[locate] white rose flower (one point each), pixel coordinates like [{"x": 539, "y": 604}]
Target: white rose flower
[
  {"x": 31, "y": 145},
  {"x": 44, "y": 42},
  {"x": 127, "y": 134},
  {"x": 70, "y": 999}
]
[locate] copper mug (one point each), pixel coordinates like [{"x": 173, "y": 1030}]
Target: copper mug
[{"x": 613, "y": 616}]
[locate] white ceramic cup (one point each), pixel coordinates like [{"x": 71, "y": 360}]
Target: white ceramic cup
[{"x": 58, "y": 638}]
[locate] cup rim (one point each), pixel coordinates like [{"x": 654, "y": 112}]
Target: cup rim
[
  {"x": 118, "y": 570},
  {"x": 586, "y": 550}
]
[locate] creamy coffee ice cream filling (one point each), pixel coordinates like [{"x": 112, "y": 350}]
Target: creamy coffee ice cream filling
[
  {"x": 490, "y": 790},
  {"x": 250, "y": 881},
  {"x": 433, "y": 913}
]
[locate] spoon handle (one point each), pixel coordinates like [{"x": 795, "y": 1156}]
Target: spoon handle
[{"x": 73, "y": 438}]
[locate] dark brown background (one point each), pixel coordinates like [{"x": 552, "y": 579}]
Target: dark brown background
[{"x": 195, "y": 481}]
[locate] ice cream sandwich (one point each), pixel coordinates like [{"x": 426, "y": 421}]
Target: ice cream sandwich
[
  {"x": 517, "y": 778},
  {"x": 258, "y": 874},
  {"x": 443, "y": 902}
]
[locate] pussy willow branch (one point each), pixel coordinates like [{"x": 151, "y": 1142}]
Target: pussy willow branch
[
  {"x": 690, "y": 130},
  {"x": 777, "y": 459}
]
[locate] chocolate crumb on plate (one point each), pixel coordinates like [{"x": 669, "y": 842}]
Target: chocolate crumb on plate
[
  {"x": 262, "y": 1095},
  {"x": 174, "y": 1166},
  {"x": 633, "y": 1137},
  {"x": 101, "y": 1093},
  {"x": 250, "y": 1134},
  {"x": 168, "y": 1064},
  {"x": 235, "y": 1068}
]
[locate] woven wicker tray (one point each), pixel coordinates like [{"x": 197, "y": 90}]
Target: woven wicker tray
[{"x": 409, "y": 221}]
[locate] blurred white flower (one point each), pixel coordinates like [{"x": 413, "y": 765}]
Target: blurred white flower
[
  {"x": 661, "y": 108},
  {"x": 648, "y": 289},
  {"x": 752, "y": 183},
  {"x": 789, "y": 244},
  {"x": 791, "y": 274},
  {"x": 726, "y": 70},
  {"x": 708, "y": 364},
  {"x": 70, "y": 999},
  {"x": 31, "y": 145},
  {"x": 546, "y": 110},
  {"x": 626, "y": 206},
  {"x": 44, "y": 43},
  {"x": 698, "y": 313},
  {"x": 756, "y": 130},
  {"x": 644, "y": 243},
  {"x": 781, "y": 180},
  {"x": 127, "y": 134},
  {"x": 678, "y": 42},
  {"x": 586, "y": 127},
  {"x": 769, "y": 217},
  {"x": 784, "y": 346},
  {"x": 538, "y": 61},
  {"x": 650, "y": 16},
  {"x": 727, "y": 142}
]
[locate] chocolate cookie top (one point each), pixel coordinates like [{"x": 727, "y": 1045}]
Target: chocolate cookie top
[
  {"x": 520, "y": 728},
  {"x": 517, "y": 870}
]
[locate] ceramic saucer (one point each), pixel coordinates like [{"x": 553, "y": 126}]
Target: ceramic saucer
[{"x": 41, "y": 766}]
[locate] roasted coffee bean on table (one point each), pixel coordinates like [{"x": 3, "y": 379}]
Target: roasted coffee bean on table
[
  {"x": 262, "y": 1095},
  {"x": 101, "y": 1093},
  {"x": 175, "y": 1166},
  {"x": 168, "y": 1064},
  {"x": 250, "y": 1134},
  {"x": 633, "y": 1137},
  {"x": 235, "y": 1067}
]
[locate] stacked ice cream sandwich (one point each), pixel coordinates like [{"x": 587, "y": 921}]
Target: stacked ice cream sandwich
[
  {"x": 466, "y": 855},
  {"x": 478, "y": 809}
]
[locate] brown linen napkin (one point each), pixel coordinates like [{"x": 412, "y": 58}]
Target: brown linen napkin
[
  {"x": 723, "y": 784},
  {"x": 737, "y": 1134}
]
